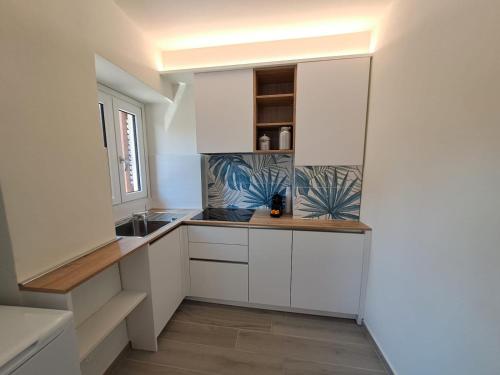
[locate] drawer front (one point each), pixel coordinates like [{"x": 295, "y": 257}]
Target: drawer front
[
  {"x": 224, "y": 281},
  {"x": 229, "y": 236},
  {"x": 232, "y": 253}
]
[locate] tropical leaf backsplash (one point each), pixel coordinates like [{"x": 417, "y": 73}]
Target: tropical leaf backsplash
[
  {"x": 328, "y": 192},
  {"x": 246, "y": 180},
  {"x": 250, "y": 181}
]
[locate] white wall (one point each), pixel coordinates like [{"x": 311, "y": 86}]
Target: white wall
[
  {"x": 52, "y": 164},
  {"x": 431, "y": 189},
  {"x": 174, "y": 165},
  {"x": 265, "y": 53}
]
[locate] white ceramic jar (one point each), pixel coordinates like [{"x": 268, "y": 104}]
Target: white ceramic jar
[
  {"x": 285, "y": 138},
  {"x": 264, "y": 143}
]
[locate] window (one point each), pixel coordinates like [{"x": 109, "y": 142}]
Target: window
[
  {"x": 121, "y": 122},
  {"x": 130, "y": 151}
]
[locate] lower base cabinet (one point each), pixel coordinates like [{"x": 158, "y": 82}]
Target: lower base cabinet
[
  {"x": 219, "y": 280},
  {"x": 327, "y": 271},
  {"x": 306, "y": 271},
  {"x": 270, "y": 257},
  {"x": 165, "y": 264}
]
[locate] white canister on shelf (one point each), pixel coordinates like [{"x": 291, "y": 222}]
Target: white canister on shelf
[
  {"x": 264, "y": 143},
  {"x": 285, "y": 138}
]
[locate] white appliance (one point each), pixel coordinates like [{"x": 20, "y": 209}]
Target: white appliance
[{"x": 37, "y": 342}]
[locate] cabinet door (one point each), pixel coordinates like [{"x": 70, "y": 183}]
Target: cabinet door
[
  {"x": 331, "y": 109},
  {"x": 326, "y": 271},
  {"x": 224, "y": 111},
  {"x": 166, "y": 278},
  {"x": 183, "y": 232},
  {"x": 270, "y": 256}
]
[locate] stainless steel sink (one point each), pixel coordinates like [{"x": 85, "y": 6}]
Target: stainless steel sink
[
  {"x": 144, "y": 223},
  {"x": 162, "y": 216},
  {"x": 139, "y": 228}
]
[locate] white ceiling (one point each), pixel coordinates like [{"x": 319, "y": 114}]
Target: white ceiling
[{"x": 184, "y": 24}]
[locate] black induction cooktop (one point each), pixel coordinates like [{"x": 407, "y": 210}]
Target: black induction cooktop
[{"x": 225, "y": 214}]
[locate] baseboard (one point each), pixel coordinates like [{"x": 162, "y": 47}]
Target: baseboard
[
  {"x": 380, "y": 353},
  {"x": 272, "y": 307}
]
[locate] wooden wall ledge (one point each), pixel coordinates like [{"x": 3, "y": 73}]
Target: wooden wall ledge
[{"x": 67, "y": 277}]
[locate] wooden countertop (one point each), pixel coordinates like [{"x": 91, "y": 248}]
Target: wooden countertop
[
  {"x": 261, "y": 219},
  {"x": 67, "y": 277}
]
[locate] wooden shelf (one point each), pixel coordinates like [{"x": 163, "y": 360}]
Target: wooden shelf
[
  {"x": 274, "y": 105},
  {"x": 275, "y": 80},
  {"x": 99, "y": 325},
  {"x": 274, "y": 151},
  {"x": 275, "y": 99},
  {"x": 273, "y": 124}
]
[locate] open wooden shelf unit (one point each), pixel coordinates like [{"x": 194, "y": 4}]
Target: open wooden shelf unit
[
  {"x": 97, "y": 327},
  {"x": 274, "y": 105},
  {"x": 274, "y": 152}
]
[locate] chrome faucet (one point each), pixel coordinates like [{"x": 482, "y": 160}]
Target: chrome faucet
[
  {"x": 137, "y": 217},
  {"x": 140, "y": 215}
]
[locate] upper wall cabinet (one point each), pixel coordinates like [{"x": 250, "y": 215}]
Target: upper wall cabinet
[
  {"x": 224, "y": 111},
  {"x": 331, "y": 110}
]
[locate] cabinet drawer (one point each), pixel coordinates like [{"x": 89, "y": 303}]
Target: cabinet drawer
[
  {"x": 224, "y": 281},
  {"x": 229, "y": 236},
  {"x": 216, "y": 251}
]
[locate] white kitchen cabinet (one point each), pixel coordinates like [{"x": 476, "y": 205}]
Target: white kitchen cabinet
[
  {"x": 218, "y": 266},
  {"x": 183, "y": 231},
  {"x": 224, "y": 111},
  {"x": 331, "y": 107},
  {"x": 166, "y": 267},
  {"x": 217, "y": 251},
  {"x": 222, "y": 235},
  {"x": 270, "y": 253},
  {"x": 327, "y": 271},
  {"x": 219, "y": 280}
]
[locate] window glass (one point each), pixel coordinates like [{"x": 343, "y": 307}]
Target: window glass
[{"x": 130, "y": 150}]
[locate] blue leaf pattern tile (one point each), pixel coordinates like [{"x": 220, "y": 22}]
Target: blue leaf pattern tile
[
  {"x": 246, "y": 180},
  {"x": 250, "y": 181},
  {"x": 328, "y": 192}
]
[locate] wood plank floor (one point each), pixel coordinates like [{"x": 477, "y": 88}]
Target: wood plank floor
[{"x": 212, "y": 339}]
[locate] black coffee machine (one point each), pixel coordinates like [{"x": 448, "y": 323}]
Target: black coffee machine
[{"x": 277, "y": 205}]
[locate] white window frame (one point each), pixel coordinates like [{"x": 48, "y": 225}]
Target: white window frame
[
  {"x": 107, "y": 101},
  {"x": 114, "y": 102}
]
